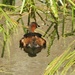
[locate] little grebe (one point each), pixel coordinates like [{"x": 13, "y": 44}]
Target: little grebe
[{"x": 32, "y": 42}]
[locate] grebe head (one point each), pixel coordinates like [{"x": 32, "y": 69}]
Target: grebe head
[{"x": 33, "y": 26}]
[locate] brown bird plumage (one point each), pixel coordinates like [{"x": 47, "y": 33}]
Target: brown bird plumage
[{"x": 32, "y": 42}]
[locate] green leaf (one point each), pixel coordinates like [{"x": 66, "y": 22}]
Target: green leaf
[{"x": 1, "y": 28}]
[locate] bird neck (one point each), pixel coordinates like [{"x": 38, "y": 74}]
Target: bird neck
[{"x": 32, "y": 28}]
